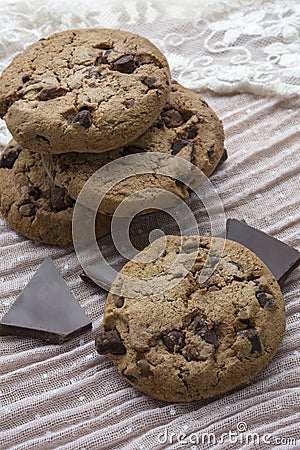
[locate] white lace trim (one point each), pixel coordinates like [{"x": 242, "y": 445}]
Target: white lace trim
[{"x": 227, "y": 46}]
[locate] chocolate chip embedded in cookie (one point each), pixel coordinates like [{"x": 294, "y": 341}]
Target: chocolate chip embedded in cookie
[
  {"x": 87, "y": 90},
  {"x": 187, "y": 127},
  {"x": 192, "y": 341},
  {"x": 32, "y": 204}
]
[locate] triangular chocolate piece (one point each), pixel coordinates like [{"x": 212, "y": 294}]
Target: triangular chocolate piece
[
  {"x": 277, "y": 256},
  {"x": 45, "y": 309}
]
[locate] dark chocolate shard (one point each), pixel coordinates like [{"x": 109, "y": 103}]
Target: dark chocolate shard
[
  {"x": 264, "y": 300},
  {"x": 45, "y": 309},
  {"x": 105, "y": 56},
  {"x": 129, "y": 377},
  {"x": 172, "y": 118},
  {"x": 60, "y": 200},
  {"x": 84, "y": 118},
  {"x": 25, "y": 78},
  {"x": 278, "y": 257},
  {"x": 110, "y": 342},
  {"x": 208, "y": 335},
  {"x": 252, "y": 335},
  {"x": 211, "y": 151},
  {"x": 174, "y": 341},
  {"x": 179, "y": 144},
  {"x": 41, "y": 138},
  {"x": 149, "y": 82},
  {"x": 125, "y": 64},
  {"x": 8, "y": 158},
  {"x": 49, "y": 93},
  {"x": 192, "y": 132},
  {"x": 34, "y": 192},
  {"x": 28, "y": 210},
  {"x": 145, "y": 368},
  {"x": 129, "y": 103}
]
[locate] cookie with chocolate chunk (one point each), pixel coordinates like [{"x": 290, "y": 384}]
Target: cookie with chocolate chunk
[
  {"x": 86, "y": 90},
  {"x": 179, "y": 336},
  {"x": 187, "y": 128},
  {"x": 32, "y": 204}
]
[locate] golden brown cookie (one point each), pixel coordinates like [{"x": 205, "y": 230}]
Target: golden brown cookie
[
  {"x": 32, "y": 204},
  {"x": 187, "y": 127},
  {"x": 193, "y": 340},
  {"x": 87, "y": 90}
]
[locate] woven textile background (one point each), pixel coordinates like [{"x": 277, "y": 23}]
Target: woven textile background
[{"x": 68, "y": 396}]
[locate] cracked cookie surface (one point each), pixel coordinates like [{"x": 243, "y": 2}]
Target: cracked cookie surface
[
  {"x": 195, "y": 340},
  {"x": 32, "y": 204},
  {"x": 187, "y": 127},
  {"x": 88, "y": 90}
]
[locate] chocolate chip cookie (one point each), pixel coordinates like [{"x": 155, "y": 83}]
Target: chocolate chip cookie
[
  {"x": 88, "y": 90},
  {"x": 32, "y": 204},
  {"x": 199, "y": 338},
  {"x": 187, "y": 127}
]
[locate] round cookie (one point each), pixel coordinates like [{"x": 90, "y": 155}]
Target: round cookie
[
  {"x": 87, "y": 90},
  {"x": 32, "y": 204},
  {"x": 194, "y": 340},
  {"x": 187, "y": 127}
]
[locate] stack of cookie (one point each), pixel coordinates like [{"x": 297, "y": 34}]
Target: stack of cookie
[{"x": 80, "y": 99}]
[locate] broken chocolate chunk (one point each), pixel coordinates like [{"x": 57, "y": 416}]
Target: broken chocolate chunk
[
  {"x": 264, "y": 300},
  {"x": 129, "y": 377},
  {"x": 125, "y": 64},
  {"x": 129, "y": 103},
  {"x": 172, "y": 118},
  {"x": 192, "y": 132},
  {"x": 131, "y": 149},
  {"x": 34, "y": 192},
  {"x": 208, "y": 335},
  {"x": 118, "y": 301},
  {"x": 252, "y": 335},
  {"x": 179, "y": 145},
  {"x": 149, "y": 82},
  {"x": 105, "y": 56},
  {"x": 42, "y": 138},
  {"x": 211, "y": 151},
  {"x": 145, "y": 368},
  {"x": 110, "y": 342},
  {"x": 192, "y": 353},
  {"x": 59, "y": 199},
  {"x": 8, "y": 159},
  {"x": 28, "y": 210},
  {"x": 45, "y": 309},
  {"x": 48, "y": 93},
  {"x": 174, "y": 341},
  {"x": 159, "y": 123},
  {"x": 84, "y": 118},
  {"x": 278, "y": 257},
  {"x": 25, "y": 78}
]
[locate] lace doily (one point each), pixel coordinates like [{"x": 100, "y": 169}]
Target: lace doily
[{"x": 227, "y": 47}]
